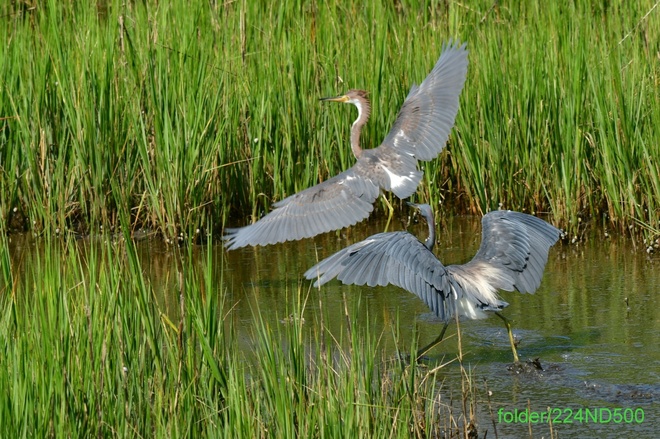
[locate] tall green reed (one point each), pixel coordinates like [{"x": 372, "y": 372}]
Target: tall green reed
[
  {"x": 189, "y": 114},
  {"x": 88, "y": 349},
  {"x": 562, "y": 103}
]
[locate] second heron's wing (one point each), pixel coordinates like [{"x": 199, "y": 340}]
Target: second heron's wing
[
  {"x": 512, "y": 256},
  {"x": 423, "y": 124},
  {"x": 338, "y": 202},
  {"x": 397, "y": 258}
]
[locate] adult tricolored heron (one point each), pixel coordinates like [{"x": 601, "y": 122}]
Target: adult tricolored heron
[
  {"x": 419, "y": 133},
  {"x": 512, "y": 256}
]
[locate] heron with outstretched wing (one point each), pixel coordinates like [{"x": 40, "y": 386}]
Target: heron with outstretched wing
[
  {"x": 512, "y": 256},
  {"x": 420, "y": 132}
]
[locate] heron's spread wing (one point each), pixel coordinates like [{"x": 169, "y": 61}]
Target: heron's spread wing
[
  {"x": 428, "y": 113},
  {"x": 397, "y": 258},
  {"x": 512, "y": 256},
  {"x": 338, "y": 202}
]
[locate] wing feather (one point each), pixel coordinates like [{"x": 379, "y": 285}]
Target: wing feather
[
  {"x": 339, "y": 202},
  {"x": 512, "y": 256},
  {"x": 389, "y": 258},
  {"x": 427, "y": 115}
]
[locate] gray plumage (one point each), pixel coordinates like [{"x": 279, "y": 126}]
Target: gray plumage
[
  {"x": 512, "y": 256},
  {"x": 420, "y": 132}
]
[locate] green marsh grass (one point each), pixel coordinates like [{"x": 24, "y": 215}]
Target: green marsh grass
[
  {"x": 87, "y": 350},
  {"x": 184, "y": 116},
  {"x": 195, "y": 115}
]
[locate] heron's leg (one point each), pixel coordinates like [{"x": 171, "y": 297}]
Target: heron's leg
[
  {"x": 513, "y": 344},
  {"x": 390, "y": 209},
  {"x": 428, "y": 347}
]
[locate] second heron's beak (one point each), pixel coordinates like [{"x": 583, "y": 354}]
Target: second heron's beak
[{"x": 342, "y": 98}]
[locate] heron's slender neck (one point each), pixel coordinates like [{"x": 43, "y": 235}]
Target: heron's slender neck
[
  {"x": 364, "y": 110},
  {"x": 430, "y": 241}
]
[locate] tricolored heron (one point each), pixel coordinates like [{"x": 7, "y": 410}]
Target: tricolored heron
[
  {"x": 512, "y": 256},
  {"x": 420, "y": 132}
]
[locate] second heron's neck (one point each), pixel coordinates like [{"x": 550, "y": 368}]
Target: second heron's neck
[
  {"x": 363, "y": 115},
  {"x": 430, "y": 241}
]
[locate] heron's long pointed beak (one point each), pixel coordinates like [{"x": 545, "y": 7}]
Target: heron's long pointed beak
[
  {"x": 411, "y": 204},
  {"x": 342, "y": 98}
]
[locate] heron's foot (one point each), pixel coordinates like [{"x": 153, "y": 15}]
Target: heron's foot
[{"x": 527, "y": 367}]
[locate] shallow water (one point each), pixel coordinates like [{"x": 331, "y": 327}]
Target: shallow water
[{"x": 599, "y": 352}]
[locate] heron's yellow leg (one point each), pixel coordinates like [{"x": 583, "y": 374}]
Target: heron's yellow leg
[
  {"x": 390, "y": 210},
  {"x": 511, "y": 340}
]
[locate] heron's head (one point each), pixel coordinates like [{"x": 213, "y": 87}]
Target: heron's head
[
  {"x": 424, "y": 210},
  {"x": 359, "y": 98},
  {"x": 355, "y": 97}
]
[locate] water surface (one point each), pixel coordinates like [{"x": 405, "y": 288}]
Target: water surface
[{"x": 594, "y": 324}]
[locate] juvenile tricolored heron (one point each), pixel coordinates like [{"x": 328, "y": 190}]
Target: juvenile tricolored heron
[
  {"x": 512, "y": 256},
  {"x": 420, "y": 132}
]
